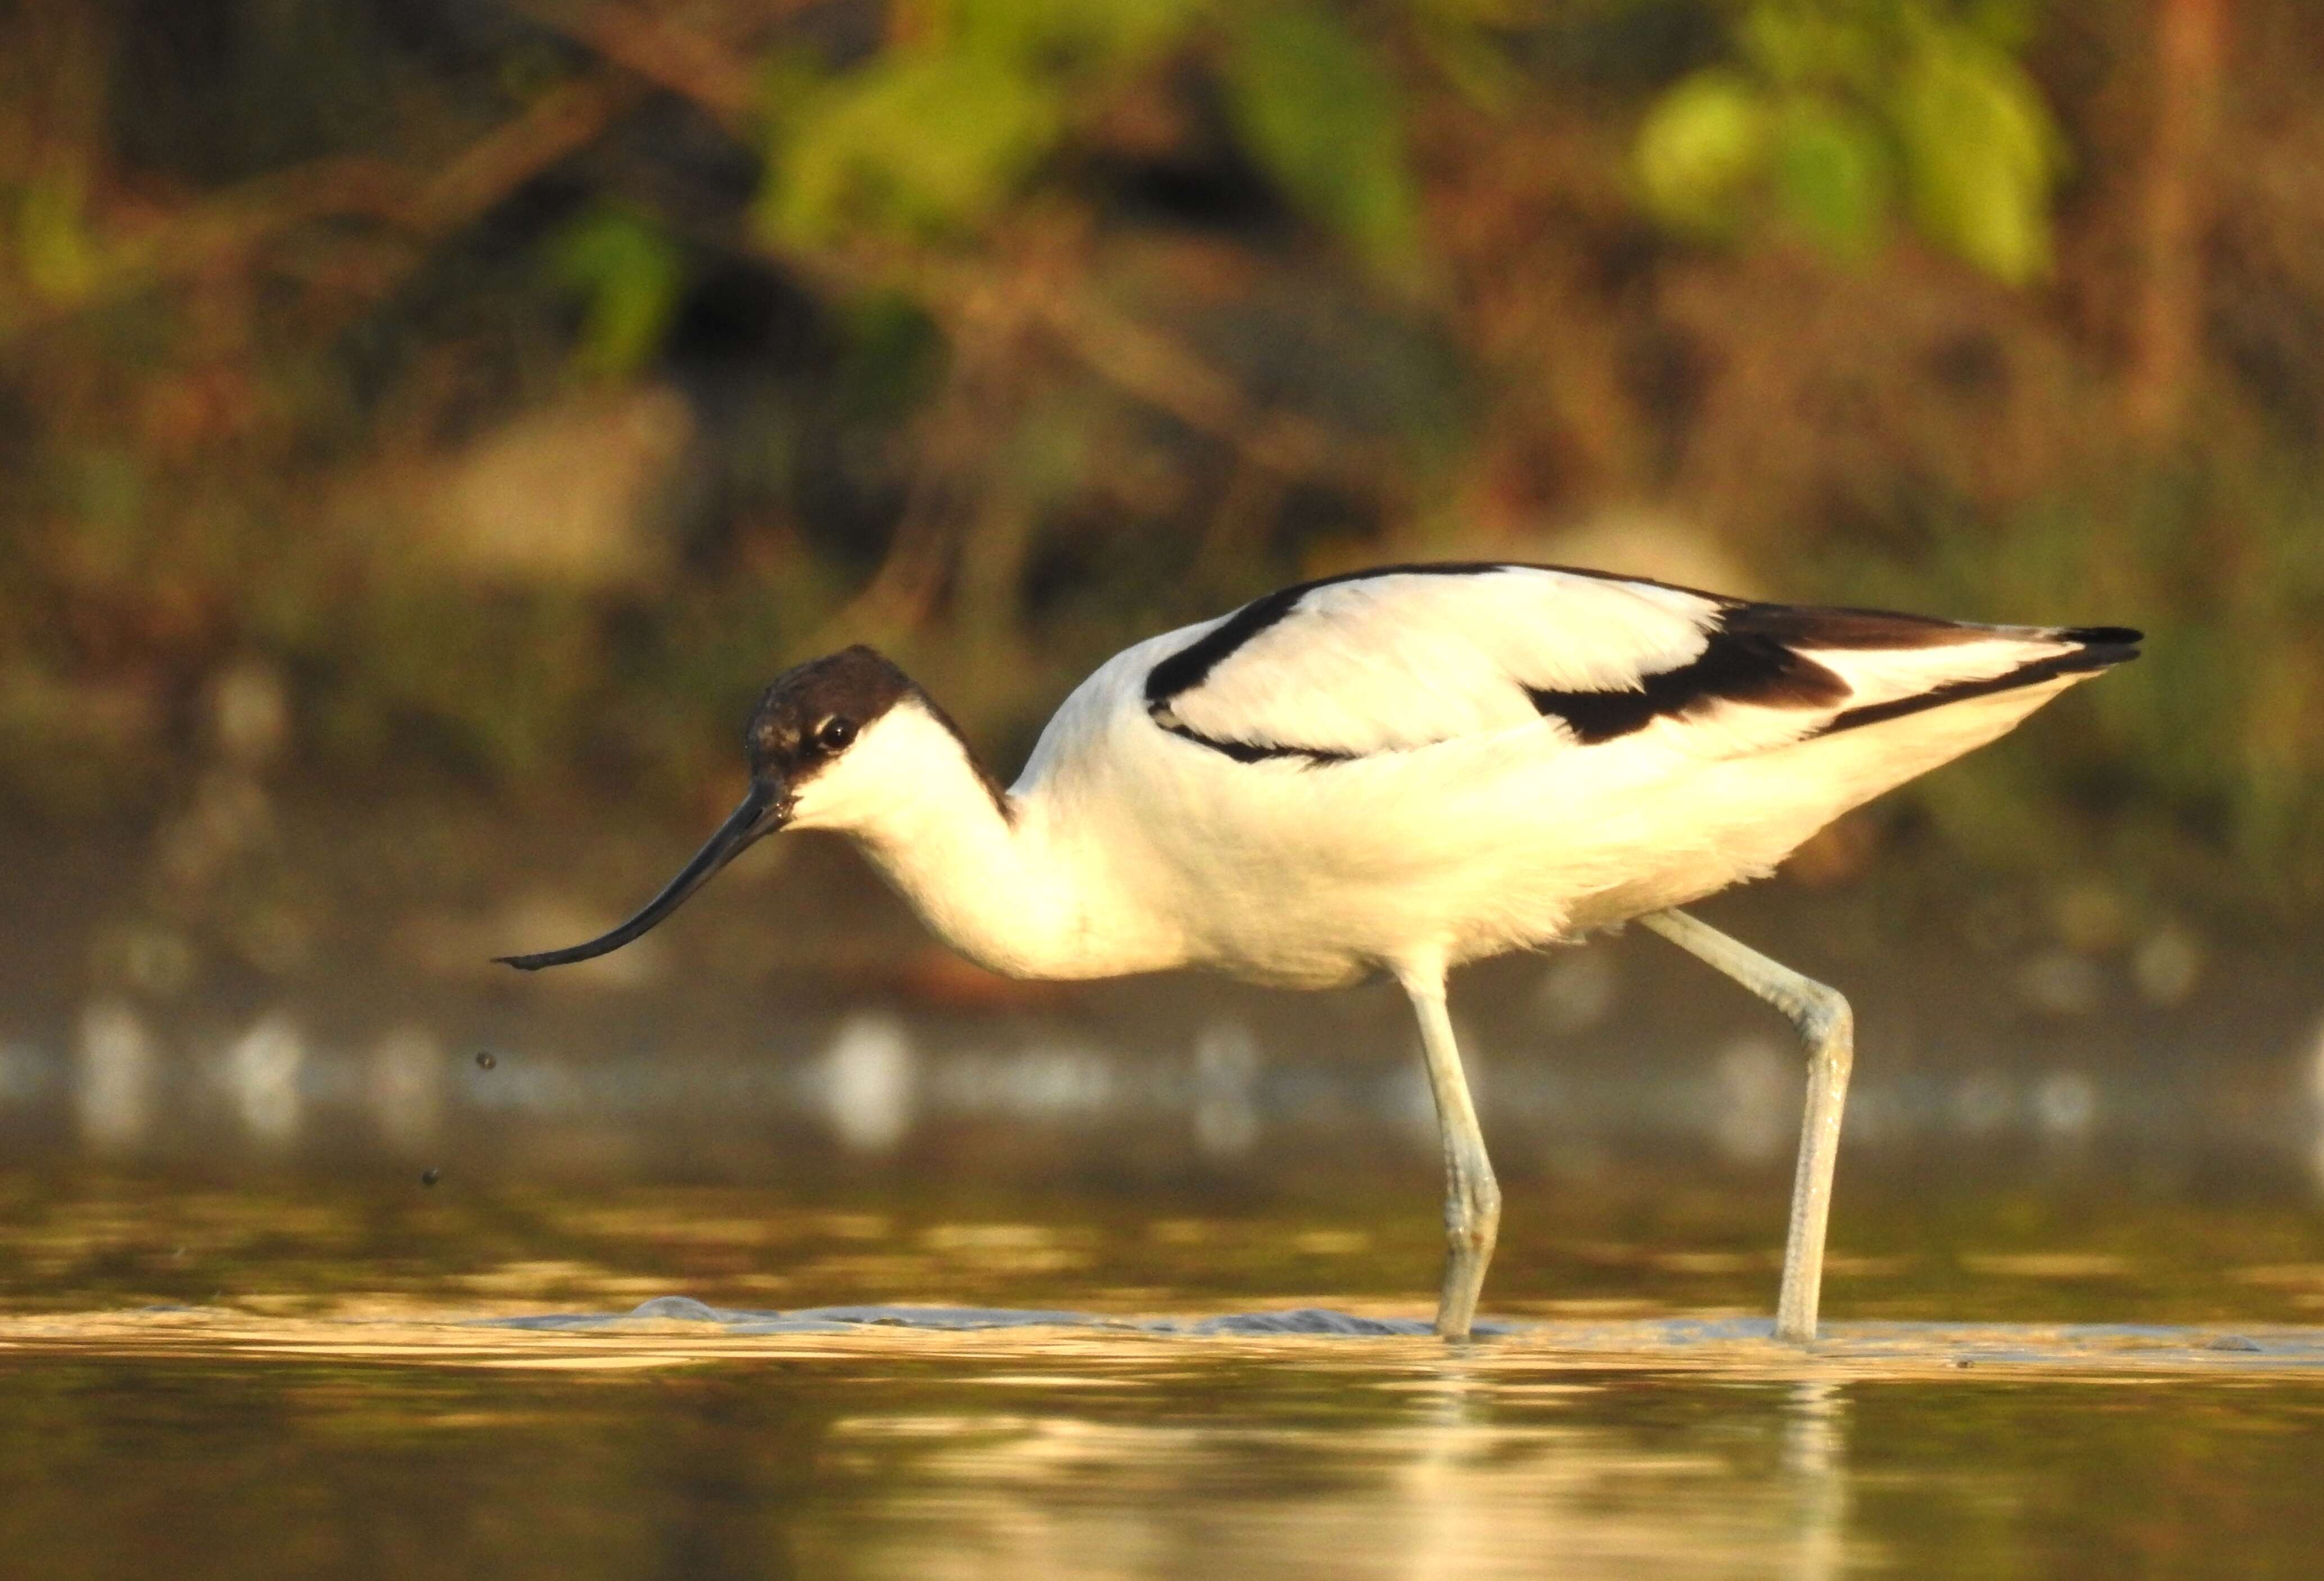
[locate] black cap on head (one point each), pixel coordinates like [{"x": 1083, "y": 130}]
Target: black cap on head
[{"x": 815, "y": 710}]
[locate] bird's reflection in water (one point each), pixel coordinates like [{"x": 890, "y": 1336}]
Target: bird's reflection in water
[
  {"x": 1816, "y": 1462},
  {"x": 1435, "y": 1469}
]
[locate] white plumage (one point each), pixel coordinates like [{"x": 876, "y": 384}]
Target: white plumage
[{"x": 1399, "y": 771}]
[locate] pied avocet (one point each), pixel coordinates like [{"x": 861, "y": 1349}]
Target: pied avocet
[{"x": 1398, "y": 770}]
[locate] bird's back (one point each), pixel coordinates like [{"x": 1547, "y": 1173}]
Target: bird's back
[{"x": 1466, "y": 759}]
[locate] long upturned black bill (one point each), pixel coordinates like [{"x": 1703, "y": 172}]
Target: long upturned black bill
[{"x": 762, "y": 813}]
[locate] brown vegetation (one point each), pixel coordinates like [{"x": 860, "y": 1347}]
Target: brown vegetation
[{"x": 522, "y": 384}]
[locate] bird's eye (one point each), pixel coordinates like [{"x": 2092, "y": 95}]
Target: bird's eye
[{"x": 834, "y": 734}]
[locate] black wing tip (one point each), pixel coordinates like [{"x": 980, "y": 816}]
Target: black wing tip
[{"x": 2100, "y": 646}]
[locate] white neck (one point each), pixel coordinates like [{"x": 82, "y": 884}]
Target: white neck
[{"x": 1013, "y": 890}]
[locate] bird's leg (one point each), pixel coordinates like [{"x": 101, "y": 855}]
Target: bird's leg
[
  {"x": 1472, "y": 1197},
  {"x": 1827, "y": 1026}
]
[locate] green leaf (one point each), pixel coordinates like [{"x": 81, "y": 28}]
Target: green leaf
[
  {"x": 1702, "y": 145},
  {"x": 630, "y": 273},
  {"x": 919, "y": 143},
  {"x": 1981, "y": 154},
  {"x": 1815, "y": 44},
  {"x": 54, "y": 247},
  {"x": 1460, "y": 45},
  {"x": 1317, "y": 111},
  {"x": 2006, "y": 24},
  {"x": 1061, "y": 33},
  {"x": 1833, "y": 175}
]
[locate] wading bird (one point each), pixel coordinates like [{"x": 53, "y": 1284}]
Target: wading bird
[{"x": 1399, "y": 771}]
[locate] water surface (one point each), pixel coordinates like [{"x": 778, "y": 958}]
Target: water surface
[{"x": 366, "y": 1377}]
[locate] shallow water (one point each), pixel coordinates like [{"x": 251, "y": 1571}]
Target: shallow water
[
  {"x": 368, "y": 1376},
  {"x": 389, "y": 1449}
]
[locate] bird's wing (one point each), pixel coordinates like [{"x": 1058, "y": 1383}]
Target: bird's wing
[{"x": 1408, "y": 656}]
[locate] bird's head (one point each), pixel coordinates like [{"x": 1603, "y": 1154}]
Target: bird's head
[{"x": 831, "y": 744}]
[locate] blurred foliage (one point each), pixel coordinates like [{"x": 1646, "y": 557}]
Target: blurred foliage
[
  {"x": 936, "y": 134},
  {"x": 629, "y": 272},
  {"x": 526, "y": 380},
  {"x": 1840, "y": 111}
]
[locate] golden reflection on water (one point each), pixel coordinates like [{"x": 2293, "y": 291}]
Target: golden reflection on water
[
  {"x": 1443, "y": 1494},
  {"x": 1621, "y": 1448}
]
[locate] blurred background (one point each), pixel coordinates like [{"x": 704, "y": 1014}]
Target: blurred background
[{"x": 425, "y": 424}]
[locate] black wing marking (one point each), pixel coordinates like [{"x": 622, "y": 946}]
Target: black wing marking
[
  {"x": 1734, "y": 667},
  {"x": 1192, "y": 664},
  {"x": 1752, "y": 658},
  {"x": 1254, "y": 752}
]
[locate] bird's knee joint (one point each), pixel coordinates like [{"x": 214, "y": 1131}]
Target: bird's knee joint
[{"x": 1825, "y": 1020}]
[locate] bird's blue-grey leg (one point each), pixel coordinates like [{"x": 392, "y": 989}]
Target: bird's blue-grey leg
[
  {"x": 1472, "y": 1197},
  {"x": 1827, "y": 1026}
]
